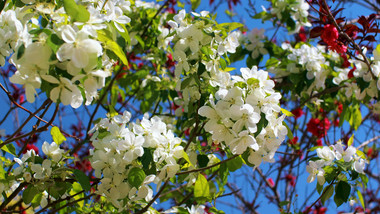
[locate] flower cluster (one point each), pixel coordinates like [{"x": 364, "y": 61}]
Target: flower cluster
[
  {"x": 128, "y": 158},
  {"x": 11, "y": 34},
  {"x": 38, "y": 172},
  {"x": 336, "y": 154},
  {"x": 196, "y": 41},
  {"x": 64, "y": 53},
  {"x": 256, "y": 45},
  {"x": 330, "y": 36},
  {"x": 297, "y": 9},
  {"x": 245, "y": 116},
  {"x": 318, "y": 127},
  {"x": 308, "y": 58}
]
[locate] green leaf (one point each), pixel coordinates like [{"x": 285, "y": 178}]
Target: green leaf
[
  {"x": 77, "y": 12},
  {"x": 37, "y": 200},
  {"x": 330, "y": 173},
  {"x": 186, "y": 82},
  {"x": 147, "y": 161},
  {"x": 76, "y": 188},
  {"x": 57, "y": 136},
  {"x": 141, "y": 41},
  {"x": 287, "y": 113},
  {"x": 29, "y": 193},
  {"x": 10, "y": 148},
  {"x": 21, "y": 51},
  {"x": 234, "y": 164},
  {"x": 283, "y": 203},
  {"x": 259, "y": 15},
  {"x": 289, "y": 134},
  {"x": 343, "y": 115},
  {"x": 355, "y": 118},
  {"x": 186, "y": 157},
  {"x": 201, "y": 187},
  {"x": 112, "y": 46},
  {"x": 124, "y": 34},
  {"x": 202, "y": 160},
  {"x": 319, "y": 188},
  {"x": 361, "y": 154},
  {"x": 195, "y": 4},
  {"x": 315, "y": 148},
  {"x": 327, "y": 193},
  {"x": 350, "y": 141},
  {"x": 2, "y": 5},
  {"x": 83, "y": 179},
  {"x": 136, "y": 177},
  {"x": 342, "y": 193},
  {"x": 231, "y": 26},
  {"x": 54, "y": 42},
  {"x": 361, "y": 199},
  {"x": 223, "y": 172},
  {"x": 223, "y": 63},
  {"x": 2, "y": 172}
]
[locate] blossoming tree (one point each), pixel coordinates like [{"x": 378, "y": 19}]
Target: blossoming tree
[{"x": 168, "y": 103}]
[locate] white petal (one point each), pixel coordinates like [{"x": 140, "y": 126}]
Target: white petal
[
  {"x": 80, "y": 57},
  {"x": 68, "y": 34}
]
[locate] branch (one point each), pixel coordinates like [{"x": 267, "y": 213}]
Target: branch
[{"x": 368, "y": 141}]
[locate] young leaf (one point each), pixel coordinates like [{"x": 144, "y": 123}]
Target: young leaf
[
  {"x": 112, "y": 46},
  {"x": 186, "y": 157},
  {"x": 231, "y": 26},
  {"x": 201, "y": 187},
  {"x": 350, "y": 141},
  {"x": 361, "y": 199},
  {"x": 57, "y": 136},
  {"x": 83, "y": 179},
  {"x": 10, "y": 148},
  {"x": 77, "y": 12},
  {"x": 287, "y": 113}
]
